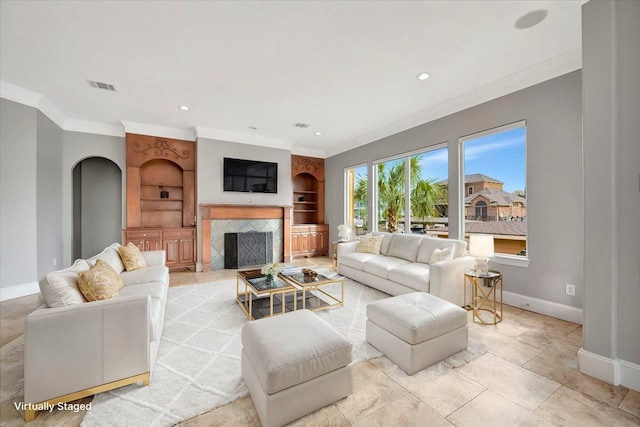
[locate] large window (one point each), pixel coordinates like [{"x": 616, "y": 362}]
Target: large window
[
  {"x": 495, "y": 196},
  {"x": 356, "y": 179},
  {"x": 410, "y": 192}
]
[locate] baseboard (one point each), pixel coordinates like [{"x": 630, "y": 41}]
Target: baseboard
[
  {"x": 630, "y": 375},
  {"x": 612, "y": 371},
  {"x": 548, "y": 308},
  {"x": 18, "y": 291}
]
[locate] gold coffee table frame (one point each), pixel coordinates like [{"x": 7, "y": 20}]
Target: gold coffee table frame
[
  {"x": 251, "y": 292},
  {"x": 484, "y": 288},
  {"x": 316, "y": 284}
]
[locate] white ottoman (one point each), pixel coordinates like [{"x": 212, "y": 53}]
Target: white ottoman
[
  {"x": 294, "y": 364},
  {"x": 416, "y": 330}
]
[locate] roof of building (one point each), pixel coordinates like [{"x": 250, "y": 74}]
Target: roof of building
[
  {"x": 505, "y": 228},
  {"x": 495, "y": 196},
  {"x": 474, "y": 177}
]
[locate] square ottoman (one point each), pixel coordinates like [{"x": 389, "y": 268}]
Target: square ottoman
[
  {"x": 416, "y": 330},
  {"x": 294, "y": 364}
]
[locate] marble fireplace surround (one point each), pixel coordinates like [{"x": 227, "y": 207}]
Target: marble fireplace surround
[{"x": 211, "y": 212}]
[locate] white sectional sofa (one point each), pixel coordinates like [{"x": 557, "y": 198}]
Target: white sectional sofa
[
  {"x": 75, "y": 348},
  {"x": 405, "y": 265}
]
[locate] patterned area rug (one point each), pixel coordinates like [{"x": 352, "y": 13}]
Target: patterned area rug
[{"x": 198, "y": 365}]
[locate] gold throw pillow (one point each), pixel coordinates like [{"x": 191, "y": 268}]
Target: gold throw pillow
[
  {"x": 370, "y": 244},
  {"x": 131, "y": 257},
  {"x": 99, "y": 283}
]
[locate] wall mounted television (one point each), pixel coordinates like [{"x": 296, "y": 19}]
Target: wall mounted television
[{"x": 250, "y": 176}]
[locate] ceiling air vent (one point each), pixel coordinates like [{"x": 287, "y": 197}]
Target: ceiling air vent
[
  {"x": 100, "y": 85},
  {"x": 302, "y": 125}
]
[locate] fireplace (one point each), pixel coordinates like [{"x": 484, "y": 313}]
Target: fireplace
[{"x": 252, "y": 248}]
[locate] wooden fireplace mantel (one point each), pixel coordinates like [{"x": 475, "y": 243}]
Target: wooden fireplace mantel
[{"x": 210, "y": 212}]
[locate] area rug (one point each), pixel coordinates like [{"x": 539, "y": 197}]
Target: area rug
[{"x": 198, "y": 365}]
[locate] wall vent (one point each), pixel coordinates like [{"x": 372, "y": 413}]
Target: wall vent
[
  {"x": 100, "y": 85},
  {"x": 302, "y": 125}
]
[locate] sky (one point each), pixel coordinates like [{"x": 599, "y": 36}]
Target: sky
[{"x": 500, "y": 155}]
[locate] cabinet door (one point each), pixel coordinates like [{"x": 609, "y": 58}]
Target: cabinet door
[
  {"x": 185, "y": 254},
  {"x": 295, "y": 243},
  {"x": 171, "y": 248},
  {"x": 323, "y": 242},
  {"x": 153, "y": 244}
]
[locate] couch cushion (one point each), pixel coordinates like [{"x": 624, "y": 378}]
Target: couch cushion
[
  {"x": 441, "y": 255},
  {"x": 293, "y": 348},
  {"x": 60, "y": 288},
  {"x": 413, "y": 275},
  {"x": 381, "y": 265},
  {"x": 386, "y": 242},
  {"x": 158, "y": 273},
  {"x": 405, "y": 246},
  {"x": 101, "y": 282},
  {"x": 369, "y": 244},
  {"x": 429, "y": 244},
  {"x": 417, "y": 317},
  {"x": 158, "y": 293},
  {"x": 355, "y": 259},
  {"x": 131, "y": 257},
  {"x": 111, "y": 256}
]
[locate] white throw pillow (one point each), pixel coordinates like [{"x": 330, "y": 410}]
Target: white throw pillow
[
  {"x": 441, "y": 255},
  {"x": 60, "y": 288}
]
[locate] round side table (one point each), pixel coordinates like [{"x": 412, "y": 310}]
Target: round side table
[{"x": 486, "y": 289}]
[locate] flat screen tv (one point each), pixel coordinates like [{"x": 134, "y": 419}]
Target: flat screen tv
[{"x": 250, "y": 176}]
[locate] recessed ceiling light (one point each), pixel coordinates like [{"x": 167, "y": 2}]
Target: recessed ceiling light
[
  {"x": 253, "y": 128},
  {"x": 318, "y": 133},
  {"x": 422, "y": 76},
  {"x": 530, "y": 19},
  {"x": 184, "y": 108}
]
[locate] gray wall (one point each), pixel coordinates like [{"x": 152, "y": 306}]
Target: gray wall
[
  {"x": 611, "y": 90},
  {"x": 18, "y": 194},
  {"x": 49, "y": 195},
  {"x": 552, "y": 110},
  {"x": 77, "y": 147},
  {"x": 100, "y": 194}
]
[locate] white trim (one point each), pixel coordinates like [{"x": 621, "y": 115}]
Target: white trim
[
  {"x": 50, "y": 110},
  {"x": 503, "y": 128},
  {"x": 415, "y": 152},
  {"x": 18, "y": 291},
  {"x": 630, "y": 375},
  {"x": 514, "y": 261},
  {"x": 74, "y": 125},
  {"x": 20, "y": 95},
  {"x": 306, "y": 151},
  {"x": 548, "y": 308},
  {"x": 242, "y": 138},
  {"x": 600, "y": 367},
  {"x": 161, "y": 131},
  {"x": 554, "y": 67}
]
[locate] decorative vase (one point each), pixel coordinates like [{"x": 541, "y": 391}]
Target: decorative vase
[{"x": 269, "y": 278}]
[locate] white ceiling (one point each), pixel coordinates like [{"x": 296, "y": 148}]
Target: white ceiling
[{"x": 347, "y": 68}]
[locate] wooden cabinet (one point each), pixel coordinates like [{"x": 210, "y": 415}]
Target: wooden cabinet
[
  {"x": 161, "y": 202},
  {"x": 179, "y": 244},
  {"x": 310, "y": 240},
  {"x": 309, "y": 234}
]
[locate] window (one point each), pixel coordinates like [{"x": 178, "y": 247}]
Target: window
[
  {"x": 356, "y": 217},
  {"x": 470, "y": 190},
  {"x": 495, "y": 164},
  {"x": 413, "y": 184}
]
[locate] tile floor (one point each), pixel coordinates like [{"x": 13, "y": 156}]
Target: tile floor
[{"x": 527, "y": 377}]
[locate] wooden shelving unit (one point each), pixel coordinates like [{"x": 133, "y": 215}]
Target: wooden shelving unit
[{"x": 309, "y": 234}]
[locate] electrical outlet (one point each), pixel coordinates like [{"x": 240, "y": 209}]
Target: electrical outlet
[{"x": 570, "y": 289}]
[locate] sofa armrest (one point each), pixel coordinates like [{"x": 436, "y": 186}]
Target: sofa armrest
[
  {"x": 69, "y": 349},
  {"x": 446, "y": 279},
  {"x": 153, "y": 258},
  {"x": 347, "y": 248}
]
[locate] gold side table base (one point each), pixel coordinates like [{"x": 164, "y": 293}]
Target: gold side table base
[{"x": 485, "y": 297}]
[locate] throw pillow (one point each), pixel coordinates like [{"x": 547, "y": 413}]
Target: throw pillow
[
  {"x": 441, "y": 255},
  {"x": 60, "y": 288},
  {"x": 131, "y": 257},
  {"x": 369, "y": 244},
  {"x": 99, "y": 283}
]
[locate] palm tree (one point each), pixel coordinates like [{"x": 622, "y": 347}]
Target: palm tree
[{"x": 425, "y": 194}]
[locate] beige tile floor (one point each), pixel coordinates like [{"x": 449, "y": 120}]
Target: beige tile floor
[{"x": 527, "y": 377}]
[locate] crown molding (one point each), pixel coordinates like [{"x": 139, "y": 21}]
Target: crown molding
[
  {"x": 161, "y": 131},
  {"x": 74, "y": 125},
  {"x": 32, "y": 99},
  {"x": 306, "y": 151},
  {"x": 554, "y": 67},
  {"x": 224, "y": 135}
]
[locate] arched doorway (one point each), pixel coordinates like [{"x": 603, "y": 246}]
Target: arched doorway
[{"x": 97, "y": 206}]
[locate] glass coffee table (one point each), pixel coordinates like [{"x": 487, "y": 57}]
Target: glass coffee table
[
  {"x": 316, "y": 292},
  {"x": 260, "y": 298}
]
